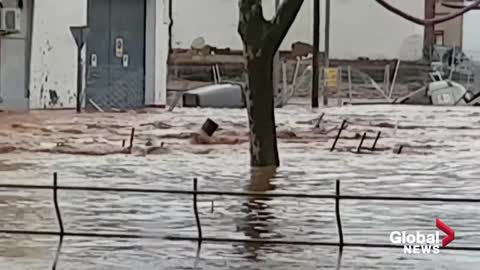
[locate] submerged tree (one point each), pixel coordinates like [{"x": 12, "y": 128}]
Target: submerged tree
[{"x": 261, "y": 40}]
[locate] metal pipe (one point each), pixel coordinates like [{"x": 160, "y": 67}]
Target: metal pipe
[
  {"x": 349, "y": 71},
  {"x": 452, "y": 63},
  {"x": 59, "y": 220},
  {"x": 337, "y": 213},
  {"x": 316, "y": 49},
  {"x": 214, "y": 72},
  {"x": 213, "y": 239},
  {"x": 55, "y": 202},
  {"x": 195, "y": 210},
  {"x": 79, "y": 79},
  {"x": 57, "y": 253},
  {"x": 392, "y": 86},
  {"x": 305, "y": 243},
  {"x": 200, "y": 238},
  {"x": 240, "y": 194},
  {"x": 327, "y": 47},
  {"x": 319, "y": 121},
  {"x": 132, "y": 135}
]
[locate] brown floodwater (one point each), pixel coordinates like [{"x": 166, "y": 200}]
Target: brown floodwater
[{"x": 440, "y": 159}]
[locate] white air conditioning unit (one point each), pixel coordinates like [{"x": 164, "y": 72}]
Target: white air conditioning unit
[{"x": 10, "y": 20}]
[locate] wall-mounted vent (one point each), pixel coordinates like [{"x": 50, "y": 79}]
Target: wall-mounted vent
[{"x": 10, "y": 20}]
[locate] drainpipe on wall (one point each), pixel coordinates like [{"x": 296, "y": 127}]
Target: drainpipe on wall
[
  {"x": 170, "y": 26},
  {"x": 1, "y": 99}
]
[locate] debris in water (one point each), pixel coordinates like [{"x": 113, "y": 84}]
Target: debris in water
[
  {"x": 149, "y": 142},
  {"x": 6, "y": 148},
  {"x": 157, "y": 124}
]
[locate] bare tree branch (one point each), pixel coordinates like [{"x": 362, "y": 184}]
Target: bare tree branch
[
  {"x": 252, "y": 25},
  {"x": 281, "y": 23},
  {"x": 425, "y": 22},
  {"x": 262, "y": 37},
  {"x": 456, "y": 6}
]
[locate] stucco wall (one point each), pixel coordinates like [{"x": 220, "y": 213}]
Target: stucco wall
[
  {"x": 157, "y": 51},
  {"x": 452, "y": 30},
  {"x": 358, "y": 28},
  {"x": 53, "y": 62},
  {"x": 471, "y": 34},
  {"x": 14, "y": 49}
]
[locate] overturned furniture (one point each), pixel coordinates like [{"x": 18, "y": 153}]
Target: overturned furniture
[
  {"x": 223, "y": 95},
  {"x": 442, "y": 93}
]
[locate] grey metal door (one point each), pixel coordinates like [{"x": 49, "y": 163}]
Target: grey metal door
[
  {"x": 116, "y": 54},
  {"x": 13, "y": 75}
]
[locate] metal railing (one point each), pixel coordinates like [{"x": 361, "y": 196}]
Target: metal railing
[{"x": 337, "y": 197}]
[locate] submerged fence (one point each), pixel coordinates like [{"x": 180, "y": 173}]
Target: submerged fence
[{"x": 337, "y": 197}]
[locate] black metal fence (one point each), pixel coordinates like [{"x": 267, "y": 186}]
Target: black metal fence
[{"x": 200, "y": 237}]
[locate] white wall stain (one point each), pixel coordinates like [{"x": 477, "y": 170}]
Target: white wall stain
[
  {"x": 53, "y": 79},
  {"x": 358, "y": 28},
  {"x": 53, "y": 59}
]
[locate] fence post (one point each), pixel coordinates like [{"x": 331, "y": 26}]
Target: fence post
[
  {"x": 319, "y": 120},
  {"x": 57, "y": 253},
  {"x": 338, "y": 135},
  {"x": 59, "y": 219},
  {"x": 337, "y": 213},
  {"x": 376, "y": 140},
  {"x": 132, "y": 135},
  {"x": 361, "y": 142},
  {"x": 195, "y": 209},
  {"x": 55, "y": 202},
  {"x": 349, "y": 69}
]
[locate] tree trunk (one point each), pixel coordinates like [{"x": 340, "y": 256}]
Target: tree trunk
[
  {"x": 428, "y": 35},
  {"x": 259, "y": 97},
  {"x": 261, "y": 40}
]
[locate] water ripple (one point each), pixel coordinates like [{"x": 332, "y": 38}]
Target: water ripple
[{"x": 446, "y": 167}]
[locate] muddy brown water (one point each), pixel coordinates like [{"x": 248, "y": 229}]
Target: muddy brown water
[{"x": 442, "y": 160}]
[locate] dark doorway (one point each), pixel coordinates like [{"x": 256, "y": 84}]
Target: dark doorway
[{"x": 116, "y": 54}]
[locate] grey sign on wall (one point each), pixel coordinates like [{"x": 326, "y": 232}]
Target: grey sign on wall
[{"x": 80, "y": 34}]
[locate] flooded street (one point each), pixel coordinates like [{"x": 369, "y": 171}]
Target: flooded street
[{"x": 440, "y": 159}]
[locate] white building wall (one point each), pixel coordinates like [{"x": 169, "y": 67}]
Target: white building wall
[
  {"x": 358, "y": 28},
  {"x": 471, "y": 34},
  {"x": 156, "y": 69},
  {"x": 53, "y": 58}
]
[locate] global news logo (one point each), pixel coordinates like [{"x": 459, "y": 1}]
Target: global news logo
[{"x": 422, "y": 243}]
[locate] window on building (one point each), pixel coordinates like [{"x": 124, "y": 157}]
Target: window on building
[{"x": 439, "y": 38}]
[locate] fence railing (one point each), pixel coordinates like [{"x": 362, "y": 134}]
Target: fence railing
[{"x": 337, "y": 197}]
